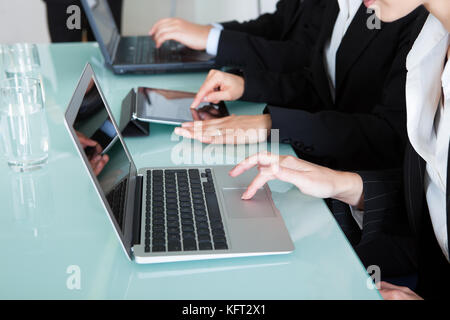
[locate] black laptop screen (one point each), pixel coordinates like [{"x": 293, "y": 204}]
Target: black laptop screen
[
  {"x": 104, "y": 150},
  {"x": 104, "y": 23}
]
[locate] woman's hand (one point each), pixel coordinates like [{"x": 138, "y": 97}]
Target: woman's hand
[
  {"x": 311, "y": 179},
  {"x": 192, "y": 35},
  {"x": 392, "y": 292},
  {"x": 229, "y": 130},
  {"x": 95, "y": 157},
  {"x": 219, "y": 86}
]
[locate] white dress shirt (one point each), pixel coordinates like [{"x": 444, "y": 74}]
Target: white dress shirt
[
  {"x": 428, "y": 117},
  {"x": 347, "y": 11}
]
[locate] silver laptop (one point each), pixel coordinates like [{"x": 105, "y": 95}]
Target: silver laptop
[
  {"x": 171, "y": 214},
  {"x": 139, "y": 53}
]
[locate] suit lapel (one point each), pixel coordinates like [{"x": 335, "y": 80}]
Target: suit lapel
[
  {"x": 355, "y": 41},
  {"x": 318, "y": 71}
]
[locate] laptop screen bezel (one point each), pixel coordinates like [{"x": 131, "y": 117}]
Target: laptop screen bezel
[
  {"x": 108, "y": 51},
  {"x": 126, "y": 233}
]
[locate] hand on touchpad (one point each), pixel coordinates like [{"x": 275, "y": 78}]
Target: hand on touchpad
[{"x": 260, "y": 206}]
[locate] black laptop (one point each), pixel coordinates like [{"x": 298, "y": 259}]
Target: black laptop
[{"x": 139, "y": 53}]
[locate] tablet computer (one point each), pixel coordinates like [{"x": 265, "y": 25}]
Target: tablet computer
[{"x": 173, "y": 107}]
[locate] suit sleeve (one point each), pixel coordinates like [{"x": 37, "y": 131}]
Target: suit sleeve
[
  {"x": 386, "y": 238},
  {"x": 257, "y": 55}
]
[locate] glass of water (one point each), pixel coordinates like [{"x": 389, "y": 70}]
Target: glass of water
[
  {"x": 21, "y": 60},
  {"x": 23, "y": 124}
]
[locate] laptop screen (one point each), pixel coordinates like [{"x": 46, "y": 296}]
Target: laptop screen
[
  {"x": 104, "y": 22},
  {"x": 104, "y": 150}
]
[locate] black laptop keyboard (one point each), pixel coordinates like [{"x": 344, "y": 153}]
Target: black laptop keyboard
[
  {"x": 182, "y": 212},
  {"x": 147, "y": 53},
  {"x": 116, "y": 200}
]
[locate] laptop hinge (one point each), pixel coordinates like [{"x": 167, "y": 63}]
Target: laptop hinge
[{"x": 137, "y": 211}]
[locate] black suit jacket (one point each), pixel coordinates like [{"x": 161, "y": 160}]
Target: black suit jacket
[
  {"x": 282, "y": 60},
  {"x": 397, "y": 229}
]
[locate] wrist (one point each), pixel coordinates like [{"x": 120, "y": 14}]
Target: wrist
[
  {"x": 349, "y": 189},
  {"x": 267, "y": 120}
]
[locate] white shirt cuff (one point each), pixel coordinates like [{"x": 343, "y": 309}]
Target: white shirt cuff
[
  {"x": 212, "y": 45},
  {"x": 217, "y": 26}
]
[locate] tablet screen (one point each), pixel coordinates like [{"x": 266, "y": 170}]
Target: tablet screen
[{"x": 174, "y": 107}]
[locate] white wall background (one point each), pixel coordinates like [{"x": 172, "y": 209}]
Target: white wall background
[{"x": 25, "y": 20}]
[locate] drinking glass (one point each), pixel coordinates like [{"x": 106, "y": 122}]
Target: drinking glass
[
  {"x": 21, "y": 60},
  {"x": 23, "y": 124}
]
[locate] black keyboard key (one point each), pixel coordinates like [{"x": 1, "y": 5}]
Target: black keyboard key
[
  {"x": 199, "y": 206},
  {"x": 218, "y": 232},
  {"x": 173, "y": 236},
  {"x": 187, "y": 222},
  {"x": 204, "y": 237},
  {"x": 173, "y": 224},
  {"x": 187, "y": 216},
  {"x": 220, "y": 245},
  {"x": 158, "y": 210},
  {"x": 159, "y": 234},
  {"x": 158, "y": 229},
  {"x": 205, "y": 245},
  {"x": 202, "y": 225},
  {"x": 185, "y": 204},
  {"x": 188, "y": 228},
  {"x": 173, "y": 230},
  {"x": 194, "y": 173},
  {"x": 172, "y": 218},
  {"x": 189, "y": 244},
  {"x": 158, "y": 222},
  {"x": 158, "y": 204},
  {"x": 188, "y": 235},
  {"x": 200, "y": 212},
  {"x": 159, "y": 241},
  {"x": 158, "y": 248},
  {"x": 174, "y": 246},
  {"x": 201, "y": 219},
  {"x": 219, "y": 238},
  {"x": 172, "y": 212},
  {"x": 213, "y": 206},
  {"x": 172, "y": 206},
  {"x": 202, "y": 231}
]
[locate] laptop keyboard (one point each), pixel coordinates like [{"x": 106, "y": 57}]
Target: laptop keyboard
[
  {"x": 147, "y": 52},
  {"x": 182, "y": 212},
  {"x": 116, "y": 200}
]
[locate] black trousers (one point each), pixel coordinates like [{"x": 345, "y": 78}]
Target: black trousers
[{"x": 57, "y": 18}]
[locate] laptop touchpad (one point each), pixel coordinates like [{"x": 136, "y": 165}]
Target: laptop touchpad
[{"x": 258, "y": 207}]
